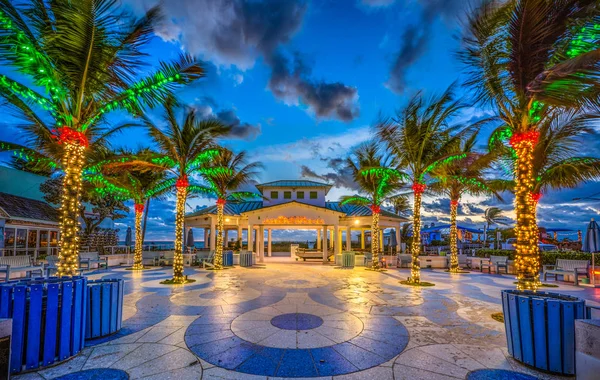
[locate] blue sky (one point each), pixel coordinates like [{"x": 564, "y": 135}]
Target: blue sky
[{"x": 303, "y": 81}]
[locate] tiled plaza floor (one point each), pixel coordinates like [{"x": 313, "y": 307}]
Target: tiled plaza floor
[{"x": 304, "y": 320}]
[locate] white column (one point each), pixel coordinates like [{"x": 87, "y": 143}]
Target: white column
[
  {"x": 318, "y": 239},
  {"x": 338, "y": 239},
  {"x": 336, "y": 245},
  {"x": 331, "y": 239},
  {"x": 225, "y": 236},
  {"x": 206, "y": 242},
  {"x": 269, "y": 250},
  {"x": 250, "y": 247},
  {"x": 398, "y": 242},
  {"x": 324, "y": 245},
  {"x": 261, "y": 241},
  {"x": 239, "y": 235},
  {"x": 213, "y": 234},
  {"x": 362, "y": 238},
  {"x": 381, "y": 240},
  {"x": 348, "y": 239}
]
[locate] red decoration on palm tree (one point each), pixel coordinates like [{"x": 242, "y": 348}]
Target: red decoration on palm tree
[
  {"x": 221, "y": 201},
  {"x": 530, "y": 137},
  {"x": 182, "y": 182},
  {"x": 419, "y": 188},
  {"x": 69, "y": 135},
  {"x": 139, "y": 207},
  {"x": 536, "y": 197},
  {"x": 375, "y": 209},
  {"x": 453, "y": 203}
]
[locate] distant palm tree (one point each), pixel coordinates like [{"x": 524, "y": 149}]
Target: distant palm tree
[
  {"x": 136, "y": 182},
  {"x": 224, "y": 175},
  {"x": 529, "y": 59},
  {"x": 77, "y": 61},
  {"x": 493, "y": 216},
  {"x": 185, "y": 148},
  {"x": 464, "y": 175},
  {"x": 400, "y": 204},
  {"x": 420, "y": 139},
  {"x": 378, "y": 181}
]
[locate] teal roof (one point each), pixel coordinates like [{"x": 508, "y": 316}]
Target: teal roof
[
  {"x": 294, "y": 183},
  {"x": 237, "y": 208}
]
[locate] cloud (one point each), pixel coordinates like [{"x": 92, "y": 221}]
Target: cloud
[
  {"x": 291, "y": 82},
  {"x": 416, "y": 37},
  {"x": 340, "y": 176},
  {"x": 239, "y": 130},
  {"x": 377, "y": 3}
]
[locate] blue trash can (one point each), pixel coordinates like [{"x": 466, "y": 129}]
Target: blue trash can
[
  {"x": 104, "y": 308},
  {"x": 540, "y": 328},
  {"x": 228, "y": 258}
]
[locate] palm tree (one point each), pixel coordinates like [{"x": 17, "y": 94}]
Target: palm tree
[
  {"x": 528, "y": 59},
  {"x": 400, "y": 204},
  {"x": 420, "y": 139},
  {"x": 465, "y": 175},
  {"x": 379, "y": 182},
  {"x": 185, "y": 149},
  {"x": 225, "y": 174},
  {"x": 492, "y": 216},
  {"x": 138, "y": 183},
  {"x": 81, "y": 59}
]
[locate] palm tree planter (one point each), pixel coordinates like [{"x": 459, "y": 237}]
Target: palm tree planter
[{"x": 540, "y": 328}]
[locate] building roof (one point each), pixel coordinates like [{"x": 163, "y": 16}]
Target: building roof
[
  {"x": 294, "y": 183},
  {"x": 237, "y": 208},
  {"x": 354, "y": 210},
  {"x": 16, "y": 207}
]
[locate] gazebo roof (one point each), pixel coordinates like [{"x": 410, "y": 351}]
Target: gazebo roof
[
  {"x": 294, "y": 183},
  {"x": 237, "y": 208}
]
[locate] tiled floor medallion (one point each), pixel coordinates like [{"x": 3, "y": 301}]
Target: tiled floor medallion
[{"x": 297, "y": 321}]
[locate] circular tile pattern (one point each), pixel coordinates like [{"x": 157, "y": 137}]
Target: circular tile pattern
[
  {"x": 215, "y": 296},
  {"x": 253, "y": 344},
  {"x": 96, "y": 374},
  {"x": 498, "y": 374},
  {"x": 297, "y": 321}
]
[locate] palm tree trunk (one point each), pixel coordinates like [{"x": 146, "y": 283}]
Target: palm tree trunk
[
  {"x": 179, "y": 217},
  {"x": 453, "y": 237},
  {"x": 219, "y": 240},
  {"x": 139, "y": 240},
  {"x": 527, "y": 252},
  {"x": 415, "y": 249},
  {"x": 375, "y": 237},
  {"x": 72, "y": 161}
]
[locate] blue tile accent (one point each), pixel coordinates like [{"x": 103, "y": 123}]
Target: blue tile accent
[
  {"x": 96, "y": 374},
  {"x": 264, "y": 363},
  {"x": 296, "y": 363},
  {"x": 360, "y": 357},
  {"x": 498, "y": 374},
  {"x": 234, "y": 356},
  {"x": 330, "y": 363},
  {"x": 297, "y": 321}
]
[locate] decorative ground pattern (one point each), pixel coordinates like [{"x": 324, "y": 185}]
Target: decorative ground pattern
[{"x": 301, "y": 320}]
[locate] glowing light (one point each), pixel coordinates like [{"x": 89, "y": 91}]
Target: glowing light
[
  {"x": 453, "y": 236},
  {"x": 293, "y": 220},
  {"x": 68, "y": 255},
  {"x": 415, "y": 247},
  {"x": 356, "y": 221},
  {"x": 419, "y": 188},
  {"x": 375, "y": 236},
  {"x": 68, "y": 135},
  {"x": 181, "y": 185},
  {"x": 137, "y": 253},
  {"x": 527, "y": 252}
]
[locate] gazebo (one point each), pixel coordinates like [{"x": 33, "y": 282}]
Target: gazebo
[{"x": 292, "y": 204}]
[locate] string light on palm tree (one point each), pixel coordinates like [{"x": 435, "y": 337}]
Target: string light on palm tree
[
  {"x": 224, "y": 175},
  {"x": 185, "y": 148},
  {"x": 421, "y": 141},
  {"x": 379, "y": 180},
  {"x": 561, "y": 74},
  {"x": 82, "y": 82}
]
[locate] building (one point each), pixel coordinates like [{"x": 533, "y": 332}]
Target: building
[{"x": 292, "y": 204}]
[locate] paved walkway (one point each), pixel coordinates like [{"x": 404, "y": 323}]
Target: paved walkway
[{"x": 304, "y": 320}]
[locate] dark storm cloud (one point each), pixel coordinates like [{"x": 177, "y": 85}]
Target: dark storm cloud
[
  {"x": 243, "y": 131},
  {"x": 290, "y": 81},
  {"x": 415, "y": 38},
  {"x": 238, "y": 32},
  {"x": 340, "y": 175}
]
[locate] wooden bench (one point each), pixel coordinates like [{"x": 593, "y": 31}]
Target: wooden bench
[
  {"x": 51, "y": 266},
  {"x": 497, "y": 262},
  {"x": 24, "y": 263},
  {"x": 565, "y": 267},
  {"x": 311, "y": 254},
  {"x": 86, "y": 259}
]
